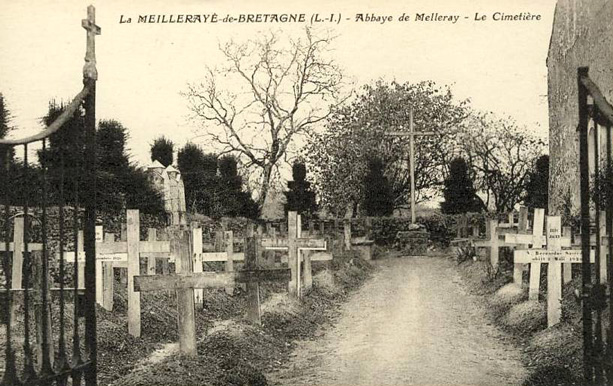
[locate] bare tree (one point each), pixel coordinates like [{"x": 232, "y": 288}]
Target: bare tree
[
  {"x": 282, "y": 89},
  {"x": 502, "y": 155}
]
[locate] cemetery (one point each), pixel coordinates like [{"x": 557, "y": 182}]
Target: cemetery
[{"x": 398, "y": 235}]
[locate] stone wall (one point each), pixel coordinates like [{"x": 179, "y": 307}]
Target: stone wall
[{"x": 582, "y": 35}]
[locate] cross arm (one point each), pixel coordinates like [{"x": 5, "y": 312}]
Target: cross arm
[
  {"x": 208, "y": 279},
  {"x": 408, "y": 134}
]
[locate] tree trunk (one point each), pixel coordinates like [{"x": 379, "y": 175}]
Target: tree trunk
[{"x": 266, "y": 175}]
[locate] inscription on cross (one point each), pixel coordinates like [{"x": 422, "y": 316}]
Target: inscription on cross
[
  {"x": 294, "y": 244},
  {"x": 554, "y": 256}
]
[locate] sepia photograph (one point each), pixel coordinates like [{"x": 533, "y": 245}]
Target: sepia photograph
[{"x": 276, "y": 193}]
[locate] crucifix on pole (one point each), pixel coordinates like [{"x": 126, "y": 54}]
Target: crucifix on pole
[{"x": 411, "y": 134}]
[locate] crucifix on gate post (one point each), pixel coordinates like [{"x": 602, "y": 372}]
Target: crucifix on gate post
[{"x": 411, "y": 134}]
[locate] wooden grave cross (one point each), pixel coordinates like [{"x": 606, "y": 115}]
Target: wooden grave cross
[
  {"x": 523, "y": 241},
  {"x": 554, "y": 256},
  {"x": 114, "y": 254},
  {"x": 185, "y": 281},
  {"x": 18, "y": 248},
  {"x": 294, "y": 244},
  {"x": 493, "y": 243}
]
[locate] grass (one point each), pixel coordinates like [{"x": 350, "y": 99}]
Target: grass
[
  {"x": 553, "y": 356},
  {"x": 230, "y": 350}
]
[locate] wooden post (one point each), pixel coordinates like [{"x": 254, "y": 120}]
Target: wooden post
[
  {"x": 99, "y": 280},
  {"x": 218, "y": 241},
  {"x": 535, "y": 268},
  {"x": 81, "y": 240},
  {"x": 108, "y": 278},
  {"x": 293, "y": 261},
  {"x": 252, "y": 247},
  {"x": 305, "y": 256},
  {"x": 133, "y": 239},
  {"x": 567, "y": 268},
  {"x": 197, "y": 253},
  {"x": 554, "y": 272},
  {"x": 107, "y": 283},
  {"x": 151, "y": 260},
  {"x": 518, "y": 268},
  {"x": 229, "y": 237},
  {"x": 492, "y": 227},
  {"x": 347, "y": 232},
  {"x": 17, "y": 253},
  {"x": 180, "y": 247}
]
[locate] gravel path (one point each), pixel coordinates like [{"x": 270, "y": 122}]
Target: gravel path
[{"x": 412, "y": 324}]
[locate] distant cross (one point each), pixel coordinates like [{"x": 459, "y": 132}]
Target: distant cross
[
  {"x": 89, "y": 69},
  {"x": 411, "y": 134}
]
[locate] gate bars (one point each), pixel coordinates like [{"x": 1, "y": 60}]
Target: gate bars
[
  {"x": 48, "y": 365},
  {"x": 597, "y": 356}
]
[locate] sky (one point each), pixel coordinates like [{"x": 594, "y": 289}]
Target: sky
[{"x": 143, "y": 68}]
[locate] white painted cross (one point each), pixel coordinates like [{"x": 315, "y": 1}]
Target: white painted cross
[
  {"x": 554, "y": 256},
  {"x": 295, "y": 244},
  {"x": 535, "y": 240},
  {"x": 493, "y": 243}
]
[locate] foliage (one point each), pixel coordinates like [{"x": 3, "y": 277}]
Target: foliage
[
  {"x": 5, "y": 118},
  {"x": 501, "y": 154},
  {"x": 162, "y": 151},
  {"x": 300, "y": 197},
  {"x": 291, "y": 87},
  {"x": 231, "y": 200},
  {"x": 5, "y": 127},
  {"x": 213, "y": 186},
  {"x": 199, "y": 171},
  {"x": 356, "y": 131},
  {"x": 459, "y": 192},
  {"x": 122, "y": 185},
  {"x": 537, "y": 187},
  {"x": 378, "y": 195}
]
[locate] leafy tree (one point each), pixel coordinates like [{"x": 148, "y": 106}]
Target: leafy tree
[
  {"x": 122, "y": 185},
  {"x": 300, "y": 197},
  {"x": 502, "y": 154},
  {"x": 231, "y": 200},
  {"x": 291, "y": 86},
  {"x": 162, "y": 151},
  {"x": 5, "y": 118},
  {"x": 459, "y": 191},
  {"x": 378, "y": 195},
  {"x": 199, "y": 171},
  {"x": 338, "y": 156},
  {"x": 64, "y": 155},
  {"x": 5, "y": 127},
  {"x": 537, "y": 187}
]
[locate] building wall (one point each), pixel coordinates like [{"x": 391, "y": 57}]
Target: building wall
[{"x": 582, "y": 35}]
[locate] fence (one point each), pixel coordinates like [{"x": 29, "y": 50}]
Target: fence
[
  {"x": 50, "y": 358},
  {"x": 596, "y": 190}
]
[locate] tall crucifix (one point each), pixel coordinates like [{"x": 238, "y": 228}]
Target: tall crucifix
[{"x": 411, "y": 134}]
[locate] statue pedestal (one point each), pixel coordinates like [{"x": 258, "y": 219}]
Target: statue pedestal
[{"x": 413, "y": 241}]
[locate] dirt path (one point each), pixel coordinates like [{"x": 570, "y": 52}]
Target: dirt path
[{"x": 412, "y": 324}]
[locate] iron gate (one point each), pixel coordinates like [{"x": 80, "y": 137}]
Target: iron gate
[
  {"x": 596, "y": 195},
  {"x": 50, "y": 317}
]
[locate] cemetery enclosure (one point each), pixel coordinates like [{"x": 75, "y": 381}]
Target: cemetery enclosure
[{"x": 595, "y": 150}]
